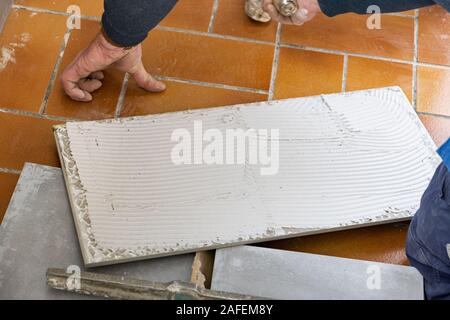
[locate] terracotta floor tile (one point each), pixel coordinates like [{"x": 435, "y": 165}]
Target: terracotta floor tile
[
  {"x": 434, "y": 35},
  {"x": 209, "y": 59},
  {"x": 181, "y": 96},
  {"x": 384, "y": 243},
  {"x": 433, "y": 90},
  {"x": 29, "y": 46},
  {"x": 307, "y": 73},
  {"x": 232, "y": 20},
  {"x": 190, "y": 14},
  {"x": 105, "y": 99},
  {"x": 88, "y": 7},
  {"x": 370, "y": 73},
  {"x": 8, "y": 183},
  {"x": 26, "y": 139},
  {"x": 438, "y": 127},
  {"x": 349, "y": 33},
  {"x": 300, "y": 73}
]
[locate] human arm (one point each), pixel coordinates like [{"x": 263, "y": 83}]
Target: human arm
[{"x": 125, "y": 25}]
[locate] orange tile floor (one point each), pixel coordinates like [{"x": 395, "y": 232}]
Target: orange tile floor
[{"x": 210, "y": 54}]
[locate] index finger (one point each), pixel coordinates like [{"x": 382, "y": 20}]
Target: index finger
[
  {"x": 274, "y": 14},
  {"x": 69, "y": 81}
]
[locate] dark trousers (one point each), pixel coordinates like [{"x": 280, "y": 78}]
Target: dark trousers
[
  {"x": 127, "y": 22},
  {"x": 429, "y": 235}
]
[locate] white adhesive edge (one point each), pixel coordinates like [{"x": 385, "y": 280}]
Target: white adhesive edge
[{"x": 77, "y": 196}]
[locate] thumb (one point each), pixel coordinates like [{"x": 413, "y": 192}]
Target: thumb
[{"x": 146, "y": 81}]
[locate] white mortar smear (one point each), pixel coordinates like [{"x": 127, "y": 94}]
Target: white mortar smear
[{"x": 346, "y": 160}]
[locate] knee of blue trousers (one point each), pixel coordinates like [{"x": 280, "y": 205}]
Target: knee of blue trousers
[
  {"x": 418, "y": 260},
  {"x": 430, "y": 225},
  {"x": 436, "y": 283},
  {"x": 428, "y": 235}
]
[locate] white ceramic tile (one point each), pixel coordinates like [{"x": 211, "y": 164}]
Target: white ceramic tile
[{"x": 345, "y": 160}]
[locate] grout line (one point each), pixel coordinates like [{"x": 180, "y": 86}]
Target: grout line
[
  {"x": 429, "y": 65},
  {"x": 443, "y": 116},
  {"x": 416, "y": 58},
  {"x": 215, "y": 8},
  {"x": 211, "y": 84},
  {"x": 415, "y": 63},
  {"x": 39, "y": 10},
  {"x": 35, "y": 115},
  {"x": 414, "y": 87},
  {"x": 66, "y": 119},
  {"x": 9, "y": 170},
  {"x": 52, "y": 80},
  {"x": 213, "y": 35},
  {"x": 399, "y": 14},
  {"x": 121, "y": 99},
  {"x": 211, "y": 23},
  {"x": 302, "y": 47},
  {"x": 249, "y": 40},
  {"x": 360, "y": 55},
  {"x": 344, "y": 73},
  {"x": 276, "y": 58},
  {"x": 61, "y": 13}
]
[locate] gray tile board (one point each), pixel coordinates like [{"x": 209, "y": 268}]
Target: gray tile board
[
  {"x": 280, "y": 274},
  {"x": 38, "y": 232}
]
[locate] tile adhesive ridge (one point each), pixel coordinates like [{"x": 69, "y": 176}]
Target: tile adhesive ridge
[{"x": 270, "y": 207}]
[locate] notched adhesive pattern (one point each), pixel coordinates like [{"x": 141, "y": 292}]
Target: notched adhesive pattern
[{"x": 345, "y": 160}]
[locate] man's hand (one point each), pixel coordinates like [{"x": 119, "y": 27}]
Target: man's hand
[
  {"x": 84, "y": 75},
  {"x": 307, "y": 9}
]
